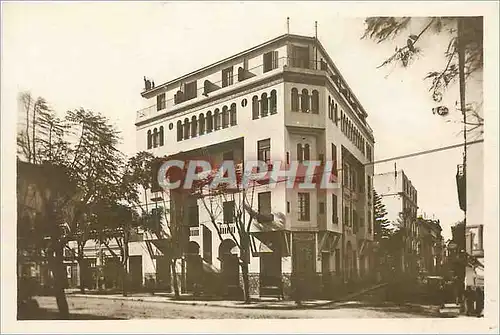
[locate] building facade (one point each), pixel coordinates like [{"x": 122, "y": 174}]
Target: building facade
[
  {"x": 430, "y": 246},
  {"x": 400, "y": 199},
  {"x": 283, "y": 100}
]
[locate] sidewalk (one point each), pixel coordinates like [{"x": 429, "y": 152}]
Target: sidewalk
[{"x": 256, "y": 301}]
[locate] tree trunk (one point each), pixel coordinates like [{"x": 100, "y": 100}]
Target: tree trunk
[
  {"x": 246, "y": 285},
  {"x": 60, "y": 279},
  {"x": 125, "y": 279},
  {"x": 174, "y": 278},
  {"x": 83, "y": 273}
]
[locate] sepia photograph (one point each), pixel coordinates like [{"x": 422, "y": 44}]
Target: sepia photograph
[{"x": 250, "y": 160}]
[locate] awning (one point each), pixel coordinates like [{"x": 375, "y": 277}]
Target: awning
[
  {"x": 263, "y": 242},
  {"x": 159, "y": 247},
  {"x": 328, "y": 241}
]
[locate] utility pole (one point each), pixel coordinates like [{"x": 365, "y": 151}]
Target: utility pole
[{"x": 461, "y": 73}]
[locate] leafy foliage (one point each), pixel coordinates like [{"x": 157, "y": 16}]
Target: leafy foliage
[{"x": 381, "y": 29}]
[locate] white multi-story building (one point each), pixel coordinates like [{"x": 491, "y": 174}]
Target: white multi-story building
[
  {"x": 400, "y": 199},
  {"x": 283, "y": 100}
]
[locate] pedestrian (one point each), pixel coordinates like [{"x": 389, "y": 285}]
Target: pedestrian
[
  {"x": 469, "y": 301},
  {"x": 479, "y": 301}
]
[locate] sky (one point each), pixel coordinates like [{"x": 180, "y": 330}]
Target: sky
[{"x": 94, "y": 55}]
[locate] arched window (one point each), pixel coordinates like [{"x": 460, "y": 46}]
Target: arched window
[
  {"x": 150, "y": 140},
  {"x": 201, "y": 126},
  {"x": 179, "y": 131},
  {"x": 155, "y": 138},
  {"x": 186, "y": 128},
  {"x": 304, "y": 100},
  {"x": 255, "y": 107},
  {"x": 300, "y": 153},
  {"x": 216, "y": 119},
  {"x": 160, "y": 135},
  {"x": 315, "y": 102},
  {"x": 295, "y": 100},
  {"x": 225, "y": 117},
  {"x": 210, "y": 122},
  {"x": 233, "y": 114},
  {"x": 194, "y": 126},
  {"x": 273, "y": 102},
  {"x": 330, "y": 114},
  {"x": 307, "y": 155},
  {"x": 264, "y": 103}
]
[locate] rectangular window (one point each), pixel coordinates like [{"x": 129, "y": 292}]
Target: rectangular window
[
  {"x": 346, "y": 216},
  {"x": 264, "y": 202},
  {"x": 228, "y": 211},
  {"x": 270, "y": 61},
  {"x": 334, "y": 159},
  {"x": 321, "y": 208},
  {"x": 193, "y": 216},
  {"x": 161, "y": 102},
  {"x": 288, "y": 206},
  {"x": 300, "y": 57},
  {"x": 346, "y": 176},
  {"x": 190, "y": 90},
  {"x": 264, "y": 150},
  {"x": 304, "y": 206},
  {"x": 227, "y": 77},
  {"x": 335, "y": 215},
  {"x": 369, "y": 152}
]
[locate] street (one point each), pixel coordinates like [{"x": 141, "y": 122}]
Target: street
[{"x": 134, "y": 309}]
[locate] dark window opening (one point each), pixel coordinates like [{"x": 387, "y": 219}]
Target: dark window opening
[
  {"x": 270, "y": 60},
  {"x": 201, "y": 119},
  {"x": 304, "y": 101},
  {"x": 304, "y": 206},
  {"x": 227, "y": 77},
  {"x": 228, "y": 211},
  {"x": 161, "y": 136},
  {"x": 150, "y": 139},
  {"x": 295, "y": 100},
  {"x": 161, "y": 102},
  {"x": 335, "y": 215},
  {"x": 233, "y": 114},
  {"x": 264, "y": 202},
  {"x": 321, "y": 208},
  {"x": 255, "y": 107},
  {"x": 190, "y": 90},
  {"x": 210, "y": 122},
  {"x": 264, "y": 150},
  {"x": 225, "y": 117},
  {"x": 264, "y": 102},
  {"x": 179, "y": 131},
  {"x": 315, "y": 102},
  {"x": 273, "y": 102}
]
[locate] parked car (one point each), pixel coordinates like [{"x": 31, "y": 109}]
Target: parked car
[{"x": 432, "y": 289}]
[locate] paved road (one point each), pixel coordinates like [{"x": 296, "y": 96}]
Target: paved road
[{"x": 127, "y": 309}]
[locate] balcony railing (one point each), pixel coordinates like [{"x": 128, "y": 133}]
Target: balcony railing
[{"x": 194, "y": 231}]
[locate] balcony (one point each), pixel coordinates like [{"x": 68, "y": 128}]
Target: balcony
[
  {"x": 194, "y": 231},
  {"x": 240, "y": 78}
]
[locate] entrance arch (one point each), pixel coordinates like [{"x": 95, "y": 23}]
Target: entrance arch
[
  {"x": 194, "y": 268},
  {"x": 230, "y": 271}
]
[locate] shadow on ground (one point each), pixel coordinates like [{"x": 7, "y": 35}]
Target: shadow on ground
[{"x": 43, "y": 314}]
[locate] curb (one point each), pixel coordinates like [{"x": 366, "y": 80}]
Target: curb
[{"x": 239, "y": 304}]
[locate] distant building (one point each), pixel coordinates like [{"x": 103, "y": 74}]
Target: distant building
[
  {"x": 430, "y": 245},
  {"x": 400, "y": 199}
]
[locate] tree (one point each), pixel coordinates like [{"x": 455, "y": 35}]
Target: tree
[
  {"x": 382, "y": 29},
  {"x": 161, "y": 222},
  {"x": 242, "y": 215},
  {"x": 83, "y": 145},
  {"x": 382, "y": 226}
]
